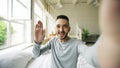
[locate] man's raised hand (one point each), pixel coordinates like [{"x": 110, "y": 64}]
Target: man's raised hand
[{"x": 39, "y": 32}]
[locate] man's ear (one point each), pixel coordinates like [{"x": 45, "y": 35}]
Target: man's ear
[{"x": 69, "y": 29}]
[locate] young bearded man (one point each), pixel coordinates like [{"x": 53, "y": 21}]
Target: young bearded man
[
  {"x": 65, "y": 50},
  {"x": 104, "y": 54}
]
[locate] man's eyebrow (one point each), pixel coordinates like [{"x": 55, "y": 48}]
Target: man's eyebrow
[
  {"x": 57, "y": 24},
  {"x": 66, "y": 24}
]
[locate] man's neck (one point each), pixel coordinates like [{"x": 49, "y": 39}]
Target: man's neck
[{"x": 65, "y": 39}]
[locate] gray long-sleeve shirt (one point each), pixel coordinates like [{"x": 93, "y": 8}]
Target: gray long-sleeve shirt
[
  {"x": 64, "y": 54},
  {"x": 91, "y": 55}
]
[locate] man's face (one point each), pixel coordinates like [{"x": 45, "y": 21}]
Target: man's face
[{"x": 62, "y": 28}]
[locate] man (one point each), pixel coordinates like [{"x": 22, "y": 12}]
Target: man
[
  {"x": 106, "y": 52},
  {"x": 65, "y": 50}
]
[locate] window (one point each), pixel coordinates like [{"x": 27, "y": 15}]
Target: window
[
  {"x": 3, "y": 32},
  {"x": 3, "y": 11},
  {"x": 20, "y": 9},
  {"x": 15, "y": 20},
  {"x": 39, "y": 14}
]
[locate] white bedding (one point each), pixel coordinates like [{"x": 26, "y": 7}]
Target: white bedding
[
  {"x": 24, "y": 60},
  {"x": 15, "y": 60},
  {"x": 44, "y": 61}
]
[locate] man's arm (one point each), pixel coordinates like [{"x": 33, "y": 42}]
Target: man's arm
[
  {"x": 38, "y": 49},
  {"x": 38, "y": 38},
  {"x": 109, "y": 44},
  {"x": 82, "y": 48}
]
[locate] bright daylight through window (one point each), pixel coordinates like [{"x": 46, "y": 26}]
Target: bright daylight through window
[{"x": 15, "y": 19}]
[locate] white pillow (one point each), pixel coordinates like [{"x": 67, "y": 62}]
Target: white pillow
[
  {"x": 15, "y": 60},
  {"x": 43, "y": 61}
]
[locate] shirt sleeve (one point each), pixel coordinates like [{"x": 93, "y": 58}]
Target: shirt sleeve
[
  {"x": 82, "y": 48},
  {"x": 38, "y": 49}
]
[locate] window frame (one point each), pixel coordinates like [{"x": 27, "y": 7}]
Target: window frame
[{"x": 11, "y": 20}]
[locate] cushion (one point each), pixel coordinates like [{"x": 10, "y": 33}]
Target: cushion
[
  {"x": 15, "y": 60},
  {"x": 43, "y": 61}
]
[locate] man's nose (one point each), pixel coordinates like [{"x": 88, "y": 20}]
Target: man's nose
[{"x": 61, "y": 29}]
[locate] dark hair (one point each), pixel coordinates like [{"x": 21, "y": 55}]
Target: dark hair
[{"x": 62, "y": 17}]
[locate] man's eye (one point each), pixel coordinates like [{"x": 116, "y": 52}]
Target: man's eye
[
  {"x": 58, "y": 26},
  {"x": 65, "y": 26}
]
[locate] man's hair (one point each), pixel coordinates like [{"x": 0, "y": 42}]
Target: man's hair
[{"x": 63, "y": 17}]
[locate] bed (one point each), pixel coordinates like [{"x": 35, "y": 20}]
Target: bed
[{"x": 24, "y": 59}]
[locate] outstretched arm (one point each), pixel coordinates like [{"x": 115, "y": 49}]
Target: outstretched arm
[{"x": 109, "y": 44}]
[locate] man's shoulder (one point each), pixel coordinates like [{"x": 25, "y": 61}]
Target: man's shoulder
[
  {"x": 53, "y": 39},
  {"x": 76, "y": 40}
]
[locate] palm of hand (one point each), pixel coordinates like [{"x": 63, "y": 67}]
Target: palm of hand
[{"x": 39, "y": 32}]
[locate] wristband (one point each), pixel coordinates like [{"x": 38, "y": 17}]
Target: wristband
[{"x": 37, "y": 42}]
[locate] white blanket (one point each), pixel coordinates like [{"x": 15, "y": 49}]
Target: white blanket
[
  {"x": 24, "y": 60},
  {"x": 44, "y": 61},
  {"x": 15, "y": 60}
]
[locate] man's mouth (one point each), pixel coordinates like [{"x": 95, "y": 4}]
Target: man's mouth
[{"x": 62, "y": 34}]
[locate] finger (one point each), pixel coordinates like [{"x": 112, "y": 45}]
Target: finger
[
  {"x": 37, "y": 27},
  {"x": 44, "y": 32},
  {"x": 40, "y": 24}
]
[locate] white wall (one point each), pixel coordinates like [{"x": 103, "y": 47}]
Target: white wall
[{"x": 83, "y": 14}]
